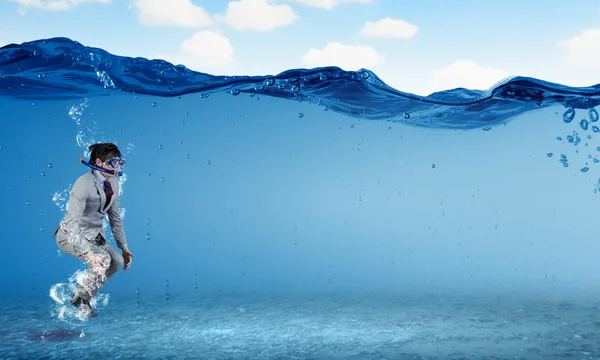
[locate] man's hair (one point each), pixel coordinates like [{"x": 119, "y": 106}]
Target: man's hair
[{"x": 103, "y": 151}]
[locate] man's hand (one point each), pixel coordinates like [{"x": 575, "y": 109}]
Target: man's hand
[{"x": 126, "y": 258}]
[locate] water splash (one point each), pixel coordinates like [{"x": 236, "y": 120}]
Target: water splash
[
  {"x": 62, "y": 68},
  {"x": 61, "y": 294}
]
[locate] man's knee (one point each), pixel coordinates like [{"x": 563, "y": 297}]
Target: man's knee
[{"x": 116, "y": 261}]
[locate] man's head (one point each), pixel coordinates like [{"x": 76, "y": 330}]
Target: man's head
[{"x": 107, "y": 156}]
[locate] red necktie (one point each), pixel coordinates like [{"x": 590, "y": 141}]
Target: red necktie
[{"x": 108, "y": 191}]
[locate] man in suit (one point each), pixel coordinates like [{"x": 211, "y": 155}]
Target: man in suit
[{"x": 81, "y": 232}]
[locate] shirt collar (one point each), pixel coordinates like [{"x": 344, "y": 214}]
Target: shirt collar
[{"x": 101, "y": 178}]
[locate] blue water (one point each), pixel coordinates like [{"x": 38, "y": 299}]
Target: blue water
[{"x": 313, "y": 214}]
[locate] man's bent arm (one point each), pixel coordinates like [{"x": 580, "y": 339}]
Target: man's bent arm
[
  {"x": 71, "y": 223},
  {"x": 116, "y": 224}
]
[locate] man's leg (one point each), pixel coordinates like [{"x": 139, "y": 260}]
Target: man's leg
[
  {"x": 112, "y": 263},
  {"x": 98, "y": 260}
]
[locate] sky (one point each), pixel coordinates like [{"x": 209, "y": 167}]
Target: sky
[{"x": 414, "y": 46}]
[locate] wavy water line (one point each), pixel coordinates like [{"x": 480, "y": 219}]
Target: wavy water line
[{"x": 60, "y": 68}]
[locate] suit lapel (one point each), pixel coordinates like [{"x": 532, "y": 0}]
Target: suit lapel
[{"x": 100, "y": 189}]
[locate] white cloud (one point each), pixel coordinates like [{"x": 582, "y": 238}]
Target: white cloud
[
  {"x": 467, "y": 74},
  {"x": 204, "y": 51},
  {"x": 330, "y": 4},
  {"x": 390, "y": 28},
  {"x": 257, "y": 15},
  {"x": 583, "y": 50},
  {"x": 54, "y": 5},
  {"x": 347, "y": 57},
  {"x": 181, "y": 13}
]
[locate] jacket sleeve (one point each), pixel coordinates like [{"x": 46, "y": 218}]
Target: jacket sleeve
[
  {"x": 72, "y": 219},
  {"x": 114, "y": 219}
]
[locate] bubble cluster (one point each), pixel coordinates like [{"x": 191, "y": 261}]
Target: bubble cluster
[
  {"x": 563, "y": 160},
  {"x": 575, "y": 138}
]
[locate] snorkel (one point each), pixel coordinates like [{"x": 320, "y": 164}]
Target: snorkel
[{"x": 112, "y": 172}]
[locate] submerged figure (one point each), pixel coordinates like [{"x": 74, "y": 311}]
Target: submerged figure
[{"x": 81, "y": 232}]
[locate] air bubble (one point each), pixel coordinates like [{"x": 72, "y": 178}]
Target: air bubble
[
  {"x": 406, "y": 115},
  {"x": 300, "y": 115},
  {"x": 154, "y": 104},
  {"x": 235, "y": 92},
  {"x": 42, "y": 76},
  {"x": 366, "y": 75},
  {"x": 162, "y": 179},
  {"x": 595, "y": 129},
  {"x": 196, "y": 286},
  {"x": 593, "y": 115},
  {"x": 187, "y": 156},
  {"x": 148, "y": 236},
  {"x": 27, "y": 203},
  {"x": 549, "y": 154},
  {"x": 160, "y": 147},
  {"x": 43, "y": 173},
  {"x": 270, "y": 82},
  {"x": 433, "y": 166},
  {"x": 167, "y": 296},
  {"x": 209, "y": 162},
  {"x": 569, "y": 115}
]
